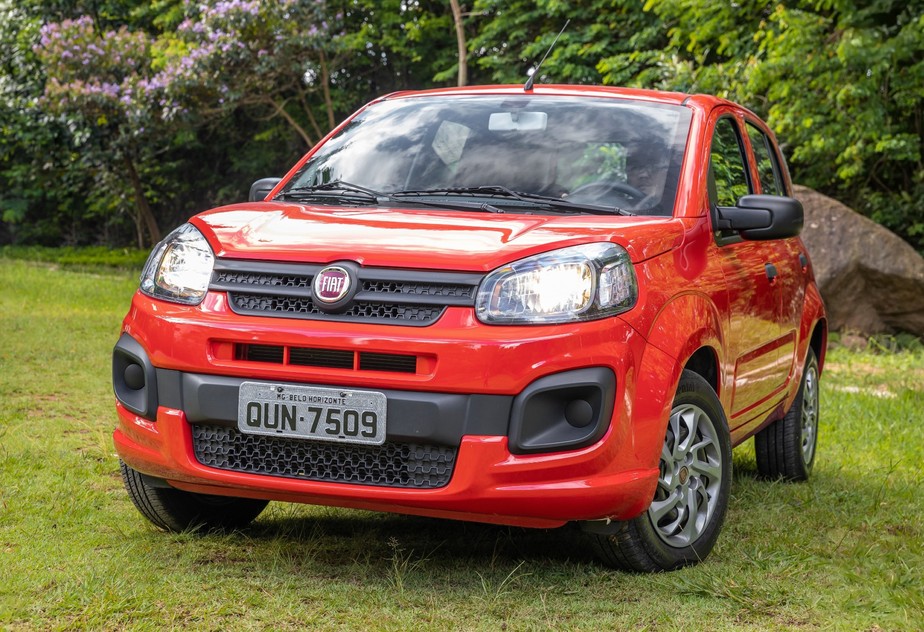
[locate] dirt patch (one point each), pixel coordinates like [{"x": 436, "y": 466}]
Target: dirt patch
[{"x": 879, "y": 391}]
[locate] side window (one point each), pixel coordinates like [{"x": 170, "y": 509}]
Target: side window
[
  {"x": 767, "y": 168},
  {"x": 728, "y": 173}
]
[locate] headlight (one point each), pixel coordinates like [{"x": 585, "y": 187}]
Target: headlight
[
  {"x": 577, "y": 283},
  {"x": 180, "y": 267}
]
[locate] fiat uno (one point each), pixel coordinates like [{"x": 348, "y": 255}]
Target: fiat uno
[{"x": 516, "y": 306}]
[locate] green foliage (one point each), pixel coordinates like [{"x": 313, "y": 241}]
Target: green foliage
[
  {"x": 841, "y": 83},
  {"x": 222, "y": 93},
  {"x": 513, "y": 37},
  {"x": 396, "y": 45},
  {"x": 873, "y": 73}
]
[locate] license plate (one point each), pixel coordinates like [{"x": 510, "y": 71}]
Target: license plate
[{"x": 308, "y": 412}]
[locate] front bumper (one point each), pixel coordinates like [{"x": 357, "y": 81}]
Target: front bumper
[{"x": 505, "y": 467}]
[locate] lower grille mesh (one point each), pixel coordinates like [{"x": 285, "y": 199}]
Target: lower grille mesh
[{"x": 406, "y": 465}]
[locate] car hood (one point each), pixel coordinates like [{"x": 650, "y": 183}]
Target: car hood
[{"x": 404, "y": 238}]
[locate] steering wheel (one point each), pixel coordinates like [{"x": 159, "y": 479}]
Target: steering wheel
[{"x": 601, "y": 188}]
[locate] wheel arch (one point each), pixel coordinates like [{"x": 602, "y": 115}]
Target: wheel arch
[
  {"x": 705, "y": 363},
  {"x": 814, "y": 327},
  {"x": 685, "y": 334},
  {"x": 819, "y": 341},
  {"x": 689, "y": 329}
]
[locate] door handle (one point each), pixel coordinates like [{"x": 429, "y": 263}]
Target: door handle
[{"x": 771, "y": 271}]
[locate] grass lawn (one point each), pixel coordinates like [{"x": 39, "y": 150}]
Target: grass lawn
[{"x": 845, "y": 551}]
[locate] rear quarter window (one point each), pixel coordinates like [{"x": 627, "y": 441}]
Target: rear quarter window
[{"x": 768, "y": 169}]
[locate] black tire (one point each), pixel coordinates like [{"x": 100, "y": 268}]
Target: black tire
[
  {"x": 786, "y": 448},
  {"x": 656, "y": 540},
  {"x": 175, "y": 510}
]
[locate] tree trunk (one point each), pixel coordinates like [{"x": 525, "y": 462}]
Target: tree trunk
[
  {"x": 144, "y": 217},
  {"x": 325, "y": 86},
  {"x": 280, "y": 109},
  {"x": 307, "y": 110},
  {"x": 460, "y": 41}
]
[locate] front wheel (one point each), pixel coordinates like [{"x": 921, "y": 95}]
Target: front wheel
[
  {"x": 686, "y": 514},
  {"x": 175, "y": 510}
]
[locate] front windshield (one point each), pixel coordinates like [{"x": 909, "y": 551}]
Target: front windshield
[{"x": 602, "y": 151}]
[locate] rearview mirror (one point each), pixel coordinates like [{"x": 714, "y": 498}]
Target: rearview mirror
[
  {"x": 261, "y": 188},
  {"x": 762, "y": 217},
  {"x": 518, "y": 121}
]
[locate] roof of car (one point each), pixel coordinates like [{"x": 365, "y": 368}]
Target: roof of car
[{"x": 657, "y": 96}]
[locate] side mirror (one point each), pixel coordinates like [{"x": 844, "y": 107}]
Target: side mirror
[
  {"x": 261, "y": 188},
  {"x": 761, "y": 217}
]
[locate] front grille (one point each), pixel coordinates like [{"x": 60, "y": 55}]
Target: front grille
[
  {"x": 327, "y": 358},
  {"x": 406, "y": 465},
  {"x": 360, "y": 310},
  {"x": 420, "y": 289},
  {"x": 272, "y": 280},
  {"x": 387, "y": 296}
]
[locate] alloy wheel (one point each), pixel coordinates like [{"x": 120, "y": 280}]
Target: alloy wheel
[{"x": 690, "y": 477}]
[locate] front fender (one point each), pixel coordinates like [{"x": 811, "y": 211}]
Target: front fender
[
  {"x": 687, "y": 323},
  {"x": 684, "y": 325}
]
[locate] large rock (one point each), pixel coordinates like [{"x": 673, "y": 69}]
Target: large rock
[{"x": 872, "y": 281}]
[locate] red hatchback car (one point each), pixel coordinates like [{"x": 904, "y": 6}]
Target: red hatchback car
[{"x": 507, "y": 305}]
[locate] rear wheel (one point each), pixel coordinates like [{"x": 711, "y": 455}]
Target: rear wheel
[
  {"x": 786, "y": 448},
  {"x": 686, "y": 514},
  {"x": 175, "y": 510}
]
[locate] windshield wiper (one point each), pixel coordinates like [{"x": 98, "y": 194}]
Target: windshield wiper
[
  {"x": 335, "y": 187},
  {"x": 495, "y": 190}
]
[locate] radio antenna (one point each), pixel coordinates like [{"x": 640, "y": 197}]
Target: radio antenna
[{"x": 532, "y": 78}]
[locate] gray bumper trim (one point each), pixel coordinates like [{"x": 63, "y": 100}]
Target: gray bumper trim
[{"x": 416, "y": 416}]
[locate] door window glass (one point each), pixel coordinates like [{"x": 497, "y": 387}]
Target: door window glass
[{"x": 727, "y": 166}]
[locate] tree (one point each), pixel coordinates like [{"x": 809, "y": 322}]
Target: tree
[
  {"x": 460, "y": 41},
  {"x": 303, "y": 61},
  {"x": 101, "y": 81},
  {"x": 513, "y": 37},
  {"x": 274, "y": 56},
  {"x": 221, "y": 92},
  {"x": 841, "y": 82},
  {"x": 852, "y": 112}
]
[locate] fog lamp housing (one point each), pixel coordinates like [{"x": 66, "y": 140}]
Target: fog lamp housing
[{"x": 564, "y": 411}]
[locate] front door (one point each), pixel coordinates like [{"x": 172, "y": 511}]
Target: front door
[{"x": 752, "y": 271}]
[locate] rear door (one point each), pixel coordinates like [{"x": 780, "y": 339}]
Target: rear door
[{"x": 790, "y": 259}]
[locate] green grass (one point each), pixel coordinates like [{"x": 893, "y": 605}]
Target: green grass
[
  {"x": 845, "y": 551},
  {"x": 86, "y": 258}
]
